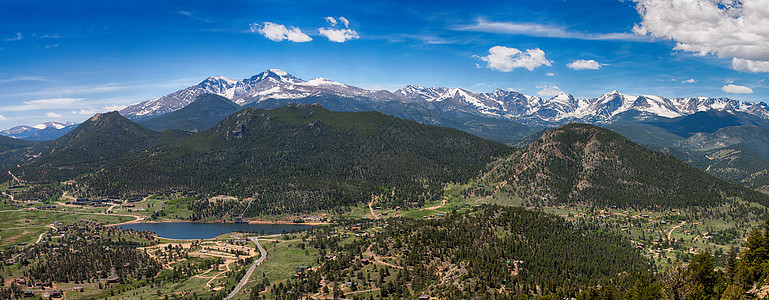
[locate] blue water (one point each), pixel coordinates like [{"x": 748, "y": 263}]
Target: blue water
[{"x": 191, "y": 231}]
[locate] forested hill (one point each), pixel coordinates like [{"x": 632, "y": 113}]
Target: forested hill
[
  {"x": 304, "y": 157},
  {"x": 206, "y": 111},
  {"x": 588, "y": 164},
  {"x": 12, "y": 150},
  {"x": 97, "y": 141}
]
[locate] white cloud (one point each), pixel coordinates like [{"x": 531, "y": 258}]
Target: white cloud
[
  {"x": 86, "y": 112},
  {"x": 584, "y": 64},
  {"x": 338, "y": 35},
  {"x": 690, "y": 80},
  {"x": 550, "y": 74},
  {"x": 92, "y": 111},
  {"x": 51, "y": 46},
  {"x": 18, "y": 37},
  {"x": 43, "y": 104},
  {"x": 540, "y": 30},
  {"x": 727, "y": 29},
  {"x": 3, "y": 118},
  {"x": 23, "y": 78},
  {"x": 114, "y": 107},
  {"x": 278, "y": 32},
  {"x": 53, "y": 115},
  {"x": 506, "y": 59},
  {"x": 737, "y": 89},
  {"x": 549, "y": 91},
  {"x": 752, "y": 66},
  {"x": 344, "y": 21}
]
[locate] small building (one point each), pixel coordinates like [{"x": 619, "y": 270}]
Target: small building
[{"x": 424, "y": 297}]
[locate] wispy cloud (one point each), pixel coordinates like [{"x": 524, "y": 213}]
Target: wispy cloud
[
  {"x": 193, "y": 16},
  {"x": 43, "y": 104},
  {"x": 278, "y": 32},
  {"x": 92, "y": 111},
  {"x": 18, "y": 37},
  {"x": 3, "y": 118},
  {"x": 542, "y": 30},
  {"x": 506, "y": 59},
  {"x": 53, "y": 115},
  {"x": 690, "y": 80},
  {"x": 23, "y": 78}
]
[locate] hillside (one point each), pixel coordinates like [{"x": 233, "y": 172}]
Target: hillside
[
  {"x": 98, "y": 140},
  {"x": 12, "y": 150},
  {"x": 588, "y": 164},
  {"x": 201, "y": 114},
  {"x": 304, "y": 158},
  {"x": 492, "y": 253}
]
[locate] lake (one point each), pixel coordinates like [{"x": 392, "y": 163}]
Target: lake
[{"x": 191, "y": 231}]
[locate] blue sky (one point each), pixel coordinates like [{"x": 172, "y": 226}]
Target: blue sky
[{"x": 66, "y": 60}]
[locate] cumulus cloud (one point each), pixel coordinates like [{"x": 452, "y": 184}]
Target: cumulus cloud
[
  {"x": 737, "y": 89},
  {"x": 338, "y": 35},
  {"x": 549, "y": 91},
  {"x": 727, "y": 29},
  {"x": 506, "y": 59},
  {"x": 278, "y": 32},
  {"x": 584, "y": 64},
  {"x": 752, "y": 66},
  {"x": 550, "y": 74},
  {"x": 690, "y": 80},
  {"x": 53, "y": 115}
]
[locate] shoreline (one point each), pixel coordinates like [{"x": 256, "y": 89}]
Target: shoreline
[{"x": 255, "y": 222}]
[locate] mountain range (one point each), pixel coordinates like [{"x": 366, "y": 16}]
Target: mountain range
[
  {"x": 40, "y": 132},
  {"x": 277, "y": 85}
]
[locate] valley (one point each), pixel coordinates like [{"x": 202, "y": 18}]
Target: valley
[{"x": 398, "y": 209}]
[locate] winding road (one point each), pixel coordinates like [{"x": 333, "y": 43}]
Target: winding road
[{"x": 250, "y": 270}]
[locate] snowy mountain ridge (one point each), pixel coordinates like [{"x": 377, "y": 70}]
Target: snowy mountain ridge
[{"x": 501, "y": 104}]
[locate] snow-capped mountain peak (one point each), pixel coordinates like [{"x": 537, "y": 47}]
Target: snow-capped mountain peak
[{"x": 278, "y": 85}]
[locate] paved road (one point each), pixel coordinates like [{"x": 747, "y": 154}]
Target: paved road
[{"x": 250, "y": 270}]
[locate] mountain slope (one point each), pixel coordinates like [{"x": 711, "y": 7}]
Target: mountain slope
[
  {"x": 305, "y": 158},
  {"x": 588, "y": 164},
  {"x": 12, "y": 151},
  {"x": 203, "y": 113},
  {"x": 102, "y": 138}
]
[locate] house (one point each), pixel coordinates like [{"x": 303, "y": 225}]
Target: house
[{"x": 424, "y": 297}]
